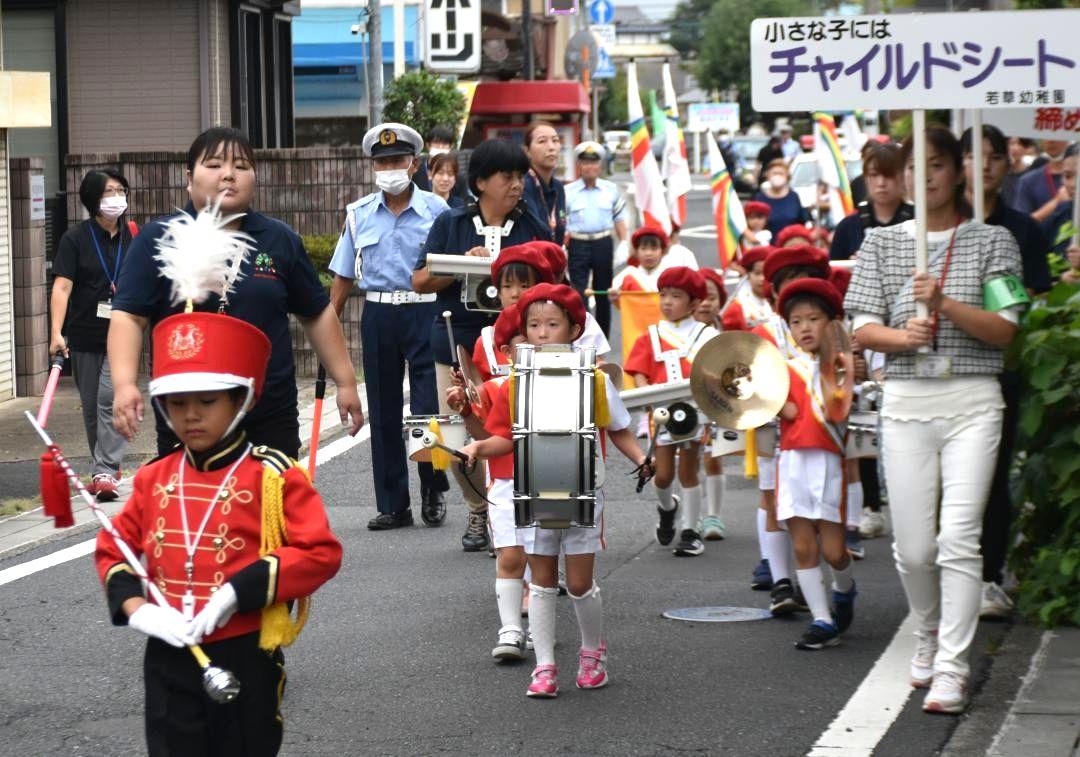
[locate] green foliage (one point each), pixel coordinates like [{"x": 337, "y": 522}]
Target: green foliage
[
  {"x": 723, "y": 41},
  {"x": 1024, "y": 5},
  {"x": 320, "y": 248},
  {"x": 423, "y": 101},
  {"x": 1047, "y": 559},
  {"x": 613, "y": 101}
]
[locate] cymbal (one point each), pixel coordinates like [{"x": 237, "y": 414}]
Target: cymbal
[
  {"x": 473, "y": 380},
  {"x": 739, "y": 380},
  {"x": 837, "y": 372}
]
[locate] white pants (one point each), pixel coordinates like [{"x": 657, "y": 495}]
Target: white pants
[{"x": 938, "y": 473}]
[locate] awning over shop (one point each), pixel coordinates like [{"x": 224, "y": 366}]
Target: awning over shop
[{"x": 504, "y": 98}]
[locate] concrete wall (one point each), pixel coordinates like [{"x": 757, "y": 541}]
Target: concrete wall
[
  {"x": 7, "y": 304},
  {"x": 28, "y": 274}
]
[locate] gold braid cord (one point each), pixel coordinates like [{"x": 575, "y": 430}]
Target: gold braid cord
[{"x": 278, "y": 627}]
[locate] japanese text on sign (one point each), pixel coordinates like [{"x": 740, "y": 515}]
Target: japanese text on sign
[
  {"x": 972, "y": 60},
  {"x": 1038, "y": 123}
]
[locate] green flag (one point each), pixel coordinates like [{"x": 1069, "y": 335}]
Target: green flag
[{"x": 656, "y": 115}]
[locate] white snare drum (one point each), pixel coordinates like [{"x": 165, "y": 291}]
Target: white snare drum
[
  {"x": 452, "y": 428},
  {"x": 862, "y": 434},
  {"x": 684, "y": 424},
  {"x": 555, "y": 436},
  {"x": 726, "y": 441}
]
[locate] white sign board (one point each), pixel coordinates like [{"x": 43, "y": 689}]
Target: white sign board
[
  {"x": 37, "y": 197},
  {"x": 713, "y": 117},
  {"x": 997, "y": 59},
  {"x": 453, "y": 36},
  {"x": 1054, "y": 122}
]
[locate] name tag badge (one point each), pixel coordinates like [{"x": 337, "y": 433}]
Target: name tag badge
[
  {"x": 104, "y": 309},
  {"x": 933, "y": 366}
]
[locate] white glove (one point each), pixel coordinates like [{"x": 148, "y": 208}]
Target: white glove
[
  {"x": 621, "y": 255},
  {"x": 214, "y": 614},
  {"x": 165, "y": 623}
]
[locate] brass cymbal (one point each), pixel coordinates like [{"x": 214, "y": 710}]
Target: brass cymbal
[
  {"x": 837, "y": 372},
  {"x": 473, "y": 380},
  {"x": 739, "y": 380}
]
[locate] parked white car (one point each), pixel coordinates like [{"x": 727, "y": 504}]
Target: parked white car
[{"x": 805, "y": 176}]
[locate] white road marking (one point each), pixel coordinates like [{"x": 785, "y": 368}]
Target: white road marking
[
  {"x": 708, "y": 231},
  {"x": 30, "y": 567},
  {"x": 875, "y": 705}
]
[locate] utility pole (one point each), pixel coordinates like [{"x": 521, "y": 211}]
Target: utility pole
[
  {"x": 527, "y": 43},
  {"x": 375, "y": 64},
  {"x": 399, "y": 38}
]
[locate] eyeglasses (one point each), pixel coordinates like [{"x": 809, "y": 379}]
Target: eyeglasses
[{"x": 114, "y": 192}]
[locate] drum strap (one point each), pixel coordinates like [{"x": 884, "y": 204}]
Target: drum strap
[
  {"x": 671, "y": 359},
  {"x": 487, "y": 339}
]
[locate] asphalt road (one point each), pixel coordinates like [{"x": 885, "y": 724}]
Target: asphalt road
[{"x": 395, "y": 658}]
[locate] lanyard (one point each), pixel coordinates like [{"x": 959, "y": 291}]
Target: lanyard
[
  {"x": 1050, "y": 181},
  {"x": 549, "y": 212},
  {"x": 944, "y": 275},
  {"x": 113, "y": 277}
]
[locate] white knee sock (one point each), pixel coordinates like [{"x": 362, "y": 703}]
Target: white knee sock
[
  {"x": 842, "y": 580},
  {"x": 714, "y": 493},
  {"x": 590, "y": 617},
  {"x": 813, "y": 588},
  {"x": 778, "y": 547},
  {"x": 542, "y": 622},
  {"x": 667, "y": 503},
  {"x": 508, "y": 592},
  {"x": 854, "y": 503},
  {"x": 762, "y": 539},
  {"x": 690, "y": 507}
]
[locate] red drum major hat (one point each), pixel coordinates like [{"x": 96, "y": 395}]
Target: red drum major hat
[
  {"x": 205, "y": 352},
  {"x": 560, "y": 294}
]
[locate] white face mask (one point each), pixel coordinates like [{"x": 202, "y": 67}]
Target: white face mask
[
  {"x": 776, "y": 181},
  {"x": 438, "y": 151},
  {"x": 112, "y": 207},
  {"x": 393, "y": 182}
]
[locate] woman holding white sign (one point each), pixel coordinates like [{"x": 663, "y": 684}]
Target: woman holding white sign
[{"x": 942, "y": 407}]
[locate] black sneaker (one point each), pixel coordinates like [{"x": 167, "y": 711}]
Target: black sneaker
[
  {"x": 665, "y": 530},
  {"x": 844, "y": 608},
  {"x": 762, "y": 580},
  {"x": 433, "y": 507},
  {"x": 388, "y": 521},
  {"x": 689, "y": 544},
  {"x": 800, "y": 600},
  {"x": 475, "y": 538},
  {"x": 818, "y": 636},
  {"x": 782, "y": 598}
]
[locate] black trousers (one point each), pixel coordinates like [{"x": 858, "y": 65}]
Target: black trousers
[
  {"x": 594, "y": 256},
  {"x": 181, "y": 720},
  {"x": 998, "y": 517}
]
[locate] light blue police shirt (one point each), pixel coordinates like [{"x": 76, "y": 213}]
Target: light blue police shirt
[
  {"x": 591, "y": 210},
  {"x": 390, "y": 245}
]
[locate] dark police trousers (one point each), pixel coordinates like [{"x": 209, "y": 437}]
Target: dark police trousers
[
  {"x": 393, "y": 335},
  {"x": 593, "y": 256}
]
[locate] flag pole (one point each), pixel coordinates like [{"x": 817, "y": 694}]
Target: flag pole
[
  {"x": 978, "y": 201},
  {"x": 918, "y": 126}
]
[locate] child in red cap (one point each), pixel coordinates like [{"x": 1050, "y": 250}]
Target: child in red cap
[
  {"x": 649, "y": 245},
  {"x": 231, "y": 534},
  {"x": 757, "y": 233},
  {"x": 663, "y": 355},
  {"x": 810, "y": 498},
  {"x": 556, "y": 315},
  {"x": 708, "y": 312},
  {"x": 749, "y": 306}
]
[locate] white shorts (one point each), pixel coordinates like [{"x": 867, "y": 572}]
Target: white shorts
[
  {"x": 766, "y": 473},
  {"x": 572, "y": 541},
  {"x": 811, "y": 483},
  {"x": 504, "y": 531}
]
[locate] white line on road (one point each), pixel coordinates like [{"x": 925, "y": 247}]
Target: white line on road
[{"x": 875, "y": 705}]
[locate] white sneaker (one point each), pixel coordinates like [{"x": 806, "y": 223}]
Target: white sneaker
[
  {"x": 873, "y": 524},
  {"x": 511, "y": 644},
  {"x": 996, "y": 604},
  {"x": 948, "y": 694},
  {"x": 922, "y": 664}
]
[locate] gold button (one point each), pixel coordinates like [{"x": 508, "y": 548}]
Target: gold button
[
  {"x": 219, "y": 542},
  {"x": 213, "y": 589},
  {"x": 160, "y": 536},
  {"x": 169, "y": 489}
]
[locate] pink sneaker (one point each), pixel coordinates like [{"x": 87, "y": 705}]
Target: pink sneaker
[
  {"x": 544, "y": 682},
  {"x": 591, "y": 672}
]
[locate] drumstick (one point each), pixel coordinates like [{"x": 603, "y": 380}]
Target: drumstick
[
  {"x": 660, "y": 416},
  {"x": 431, "y": 442},
  {"x": 621, "y": 293},
  {"x": 448, "y": 316}
]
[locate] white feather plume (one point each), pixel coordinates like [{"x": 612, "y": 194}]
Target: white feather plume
[{"x": 200, "y": 256}]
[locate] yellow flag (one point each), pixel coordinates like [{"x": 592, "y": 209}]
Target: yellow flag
[{"x": 637, "y": 312}]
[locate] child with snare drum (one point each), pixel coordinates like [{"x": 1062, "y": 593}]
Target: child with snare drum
[{"x": 556, "y": 315}]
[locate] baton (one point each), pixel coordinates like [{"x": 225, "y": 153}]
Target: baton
[
  {"x": 219, "y": 684},
  {"x": 56, "y": 364},
  {"x": 316, "y": 422}
]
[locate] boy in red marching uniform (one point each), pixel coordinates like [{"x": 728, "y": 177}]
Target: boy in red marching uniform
[
  {"x": 663, "y": 355},
  {"x": 810, "y": 494},
  {"x": 230, "y": 535},
  {"x": 749, "y": 306}
]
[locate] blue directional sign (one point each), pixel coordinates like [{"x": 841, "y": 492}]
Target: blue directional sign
[
  {"x": 605, "y": 68},
  {"x": 601, "y": 12}
]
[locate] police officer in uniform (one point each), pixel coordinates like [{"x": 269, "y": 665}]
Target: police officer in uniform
[
  {"x": 379, "y": 247},
  {"x": 596, "y": 215}
]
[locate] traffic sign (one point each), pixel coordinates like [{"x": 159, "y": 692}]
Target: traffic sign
[
  {"x": 605, "y": 67},
  {"x": 601, "y": 12},
  {"x": 453, "y": 32},
  {"x": 581, "y": 54}
]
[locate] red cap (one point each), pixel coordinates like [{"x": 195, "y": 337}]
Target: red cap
[
  {"x": 756, "y": 207},
  {"x": 713, "y": 275},
  {"x": 795, "y": 231},
  {"x": 804, "y": 254},
  {"x": 555, "y": 256},
  {"x": 650, "y": 231},
  {"x": 526, "y": 254},
  {"x": 686, "y": 279},
  {"x": 202, "y": 352},
  {"x": 840, "y": 278},
  {"x": 754, "y": 256},
  {"x": 507, "y": 325},
  {"x": 565, "y": 297},
  {"x": 816, "y": 287}
]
